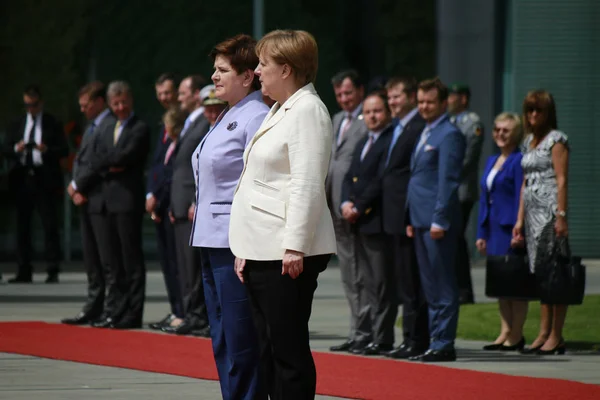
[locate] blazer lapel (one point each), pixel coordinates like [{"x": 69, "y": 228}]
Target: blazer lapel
[{"x": 272, "y": 118}]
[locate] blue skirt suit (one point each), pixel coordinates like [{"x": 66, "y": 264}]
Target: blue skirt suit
[{"x": 499, "y": 204}]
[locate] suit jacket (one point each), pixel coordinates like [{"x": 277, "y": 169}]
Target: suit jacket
[
  {"x": 88, "y": 179},
  {"x": 183, "y": 190},
  {"x": 280, "y": 203},
  {"x": 123, "y": 191},
  {"x": 435, "y": 177},
  {"x": 218, "y": 163},
  {"x": 341, "y": 158},
  {"x": 53, "y": 137},
  {"x": 499, "y": 206},
  {"x": 395, "y": 177},
  {"x": 160, "y": 150},
  {"x": 470, "y": 125},
  {"x": 362, "y": 184}
]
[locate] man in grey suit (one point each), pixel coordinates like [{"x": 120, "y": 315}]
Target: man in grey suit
[
  {"x": 85, "y": 186},
  {"x": 348, "y": 129},
  {"x": 183, "y": 195},
  {"x": 468, "y": 192}
]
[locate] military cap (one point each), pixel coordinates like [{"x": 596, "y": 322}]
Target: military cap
[
  {"x": 208, "y": 96},
  {"x": 459, "y": 88}
]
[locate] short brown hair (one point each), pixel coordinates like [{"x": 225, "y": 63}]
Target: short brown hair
[
  {"x": 240, "y": 50},
  {"x": 435, "y": 83},
  {"x": 381, "y": 96},
  {"x": 94, "y": 90},
  {"x": 167, "y": 76},
  {"x": 175, "y": 117},
  {"x": 298, "y": 49},
  {"x": 543, "y": 101},
  {"x": 409, "y": 85}
]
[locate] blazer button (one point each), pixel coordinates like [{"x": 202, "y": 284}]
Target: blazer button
[{"x": 355, "y": 179}]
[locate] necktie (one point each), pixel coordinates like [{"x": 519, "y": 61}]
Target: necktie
[
  {"x": 367, "y": 146},
  {"x": 116, "y": 132},
  {"x": 424, "y": 136},
  {"x": 397, "y": 133},
  {"x": 31, "y": 146},
  {"x": 170, "y": 151},
  {"x": 91, "y": 129},
  {"x": 344, "y": 129}
]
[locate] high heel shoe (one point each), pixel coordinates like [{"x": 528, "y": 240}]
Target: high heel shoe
[
  {"x": 559, "y": 349},
  {"x": 492, "y": 347},
  {"x": 519, "y": 346},
  {"x": 531, "y": 350}
]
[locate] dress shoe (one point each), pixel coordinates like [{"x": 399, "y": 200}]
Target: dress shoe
[
  {"x": 342, "y": 347},
  {"x": 202, "y": 332},
  {"x": 530, "y": 350},
  {"x": 493, "y": 347},
  {"x": 21, "y": 279},
  {"x": 80, "y": 319},
  {"x": 560, "y": 349},
  {"x": 358, "y": 347},
  {"x": 436, "y": 356},
  {"x": 406, "y": 352},
  {"x": 185, "y": 328},
  {"x": 515, "y": 347},
  {"x": 52, "y": 277},
  {"x": 166, "y": 321},
  {"x": 104, "y": 323},
  {"x": 376, "y": 349}
]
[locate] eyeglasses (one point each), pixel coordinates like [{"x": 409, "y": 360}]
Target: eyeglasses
[{"x": 531, "y": 109}]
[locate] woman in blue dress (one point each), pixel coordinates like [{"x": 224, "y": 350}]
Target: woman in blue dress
[{"x": 498, "y": 210}]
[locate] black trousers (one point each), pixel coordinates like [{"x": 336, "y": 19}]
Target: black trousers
[
  {"x": 415, "y": 317},
  {"x": 127, "y": 265},
  {"x": 165, "y": 240},
  {"x": 32, "y": 193},
  {"x": 463, "y": 260},
  {"x": 281, "y": 308},
  {"x": 94, "y": 305}
]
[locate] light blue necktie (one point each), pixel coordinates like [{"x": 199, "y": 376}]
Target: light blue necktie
[
  {"x": 424, "y": 136},
  {"x": 397, "y": 133}
]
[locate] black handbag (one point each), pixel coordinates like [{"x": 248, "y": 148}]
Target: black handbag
[
  {"x": 508, "y": 276},
  {"x": 560, "y": 275}
]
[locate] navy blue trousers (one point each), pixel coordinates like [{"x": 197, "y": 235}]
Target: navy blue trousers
[
  {"x": 234, "y": 338},
  {"x": 436, "y": 259},
  {"x": 165, "y": 240}
]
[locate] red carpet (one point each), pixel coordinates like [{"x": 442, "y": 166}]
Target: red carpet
[{"x": 338, "y": 375}]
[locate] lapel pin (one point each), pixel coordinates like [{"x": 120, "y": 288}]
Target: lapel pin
[{"x": 232, "y": 126}]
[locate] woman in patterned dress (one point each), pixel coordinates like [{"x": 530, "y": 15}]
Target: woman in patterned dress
[{"x": 543, "y": 203}]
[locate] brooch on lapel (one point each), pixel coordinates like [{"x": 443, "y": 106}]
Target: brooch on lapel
[{"x": 232, "y": 126}]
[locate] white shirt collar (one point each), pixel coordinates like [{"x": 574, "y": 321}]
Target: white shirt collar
[
  {"x": 196, "y": 113},
  {"x": 404, "y": 121},
  {"x": 101, "y": 116}
]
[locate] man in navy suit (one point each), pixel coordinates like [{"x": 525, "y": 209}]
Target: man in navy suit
[{"x": 434, "y": 213}]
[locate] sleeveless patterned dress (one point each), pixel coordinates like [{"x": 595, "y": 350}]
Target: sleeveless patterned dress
[{"x": 540, "y": 195}]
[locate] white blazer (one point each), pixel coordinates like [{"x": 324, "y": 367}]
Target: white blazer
[{"x": 279, "y": 203}]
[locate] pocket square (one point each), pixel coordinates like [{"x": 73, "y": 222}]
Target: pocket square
[{"x": 429, "y": 147}]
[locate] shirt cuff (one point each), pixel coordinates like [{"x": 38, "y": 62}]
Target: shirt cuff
[
  {"x": 74, "y": 185},
  {"x": 434, "y": 225},
  {"x": 344, "y": 203},
  {"x": 149, "y": 195}
]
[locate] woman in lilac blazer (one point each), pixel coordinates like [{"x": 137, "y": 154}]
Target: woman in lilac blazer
[
  {"x": 218, "y": 163},
  {"x": 498, "y": 209}
]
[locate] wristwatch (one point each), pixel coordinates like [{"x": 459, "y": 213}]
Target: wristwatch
[{"x": 561, "y": 213}]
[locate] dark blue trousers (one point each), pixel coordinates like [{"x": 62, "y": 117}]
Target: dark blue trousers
[
  {"x": 232, "y": 329},
  {"x": 165, "y": 239},
  {"x": 436, "y": 259}
]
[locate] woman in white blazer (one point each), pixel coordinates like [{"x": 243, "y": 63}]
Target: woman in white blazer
[{"x": 281, "y": 230}]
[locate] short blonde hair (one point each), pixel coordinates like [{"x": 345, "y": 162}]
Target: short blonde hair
[
  {"x": 517, "y": 132},
  {"x": 175, "y": 118},
  {"x": 298, "y": 49}
]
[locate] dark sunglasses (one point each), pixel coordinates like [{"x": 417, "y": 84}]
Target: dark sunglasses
[{"x": 531, "y": 109}]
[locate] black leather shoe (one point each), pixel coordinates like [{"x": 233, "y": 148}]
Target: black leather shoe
[
  {"x": 342, "y": 347},
  {"x": 80, "y": 319},
  {"x": 203, "y": 332},
  {"x": 52, "y": 277},
  {"x": 493, "y": 347},
  {"x": 166, "y": 321},
  {"x": 560, "y": 349},
  {"x": 436, "y": 356},
  {"x": 125, "y": 325},
  {"x": 21, "y": 279},
  {"x": 185, "y": 328},
  {"x": 531, "y": 350},
  {"x": 515, "y": 347},
  {"x": 405, "y": 352},
  {"x": 104, "y": 323},
  {"x": 358, "y": 347},
  {"x": 376, "y": 349}
]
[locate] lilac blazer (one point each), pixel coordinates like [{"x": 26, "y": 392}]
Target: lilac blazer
[{"x": 218, "y": 163}]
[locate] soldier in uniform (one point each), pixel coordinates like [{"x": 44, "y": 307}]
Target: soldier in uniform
[{"x": 470, "y": 125}]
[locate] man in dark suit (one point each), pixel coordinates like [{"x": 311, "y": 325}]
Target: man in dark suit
[
  {"x": 434, "y": 216},
  {"x": 87, "y": 185},
  {"x": 33, "y": 147},
  {"x": 348, "y": 129},
  {"x": 361, "y": 207},
  {"x": 183, "y": 197},
  {"x": 402, "y": 96},
  {"x": 166, "y": 94},
  {"x": 123, "y": 147}
]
